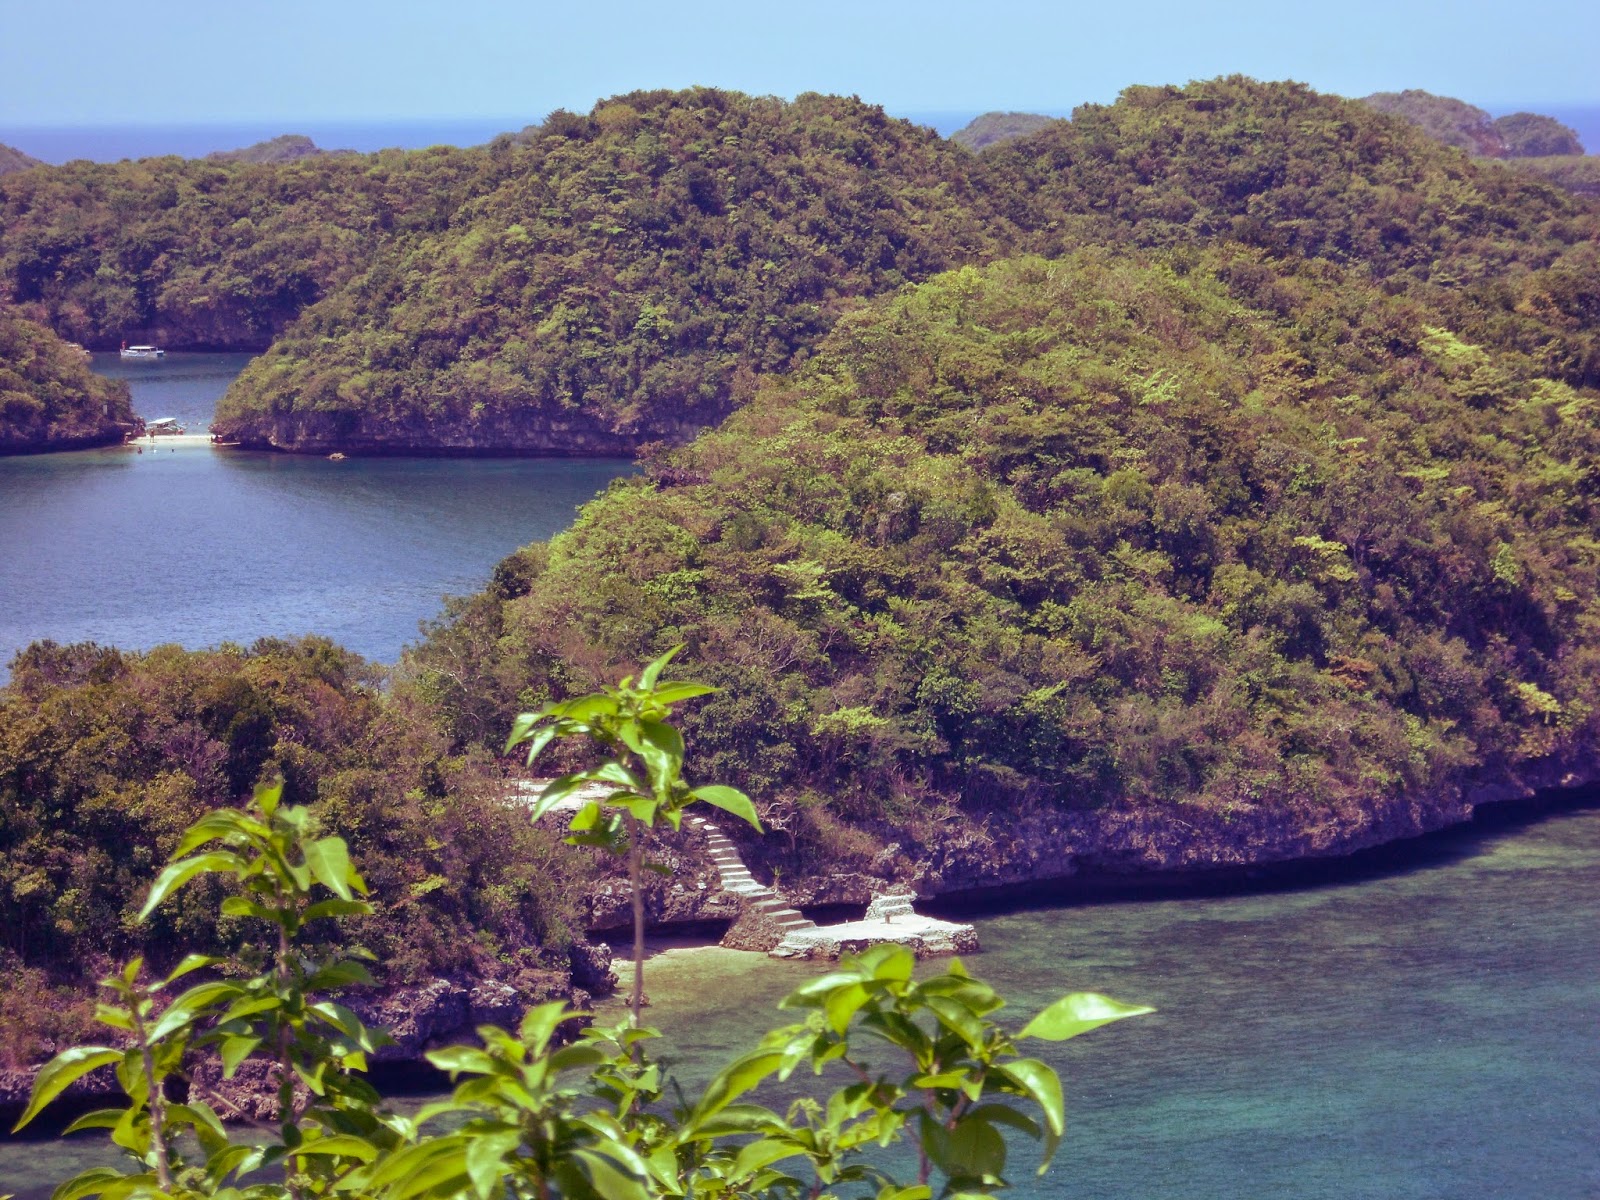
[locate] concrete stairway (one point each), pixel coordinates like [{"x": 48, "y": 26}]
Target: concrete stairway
[{"x": 736, "y": 878}]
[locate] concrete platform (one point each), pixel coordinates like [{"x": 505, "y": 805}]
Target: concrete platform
[
  {"x": 889, "y": 919},
  {"x": 925, "y": 937}
]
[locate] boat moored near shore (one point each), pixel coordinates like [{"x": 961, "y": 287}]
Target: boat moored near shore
[{"x": 142, "y": 353}]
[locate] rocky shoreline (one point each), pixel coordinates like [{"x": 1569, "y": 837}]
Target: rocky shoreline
[{"x": 1017, "y": 855}]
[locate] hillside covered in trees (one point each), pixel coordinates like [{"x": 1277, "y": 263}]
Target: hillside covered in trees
[
  {"x": 49, "y": 399},
  {"x": 635, "y": 271},
  {"x": 1232, "y": 543},
  {"x": 106, "y": 757},
  {"x": 604, "y": 280},
  {"x": 484, "y": 337},
  {"x": 200, "y": 254},
  {"x": 1467, "y": 127}
]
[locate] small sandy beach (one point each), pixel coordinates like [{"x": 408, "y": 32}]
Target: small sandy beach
[{"x": 173, "y": 441}]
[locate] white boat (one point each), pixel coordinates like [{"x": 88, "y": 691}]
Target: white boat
[
  {"x": 145, "y": 352},
  {"x": 163, "y": 427}
]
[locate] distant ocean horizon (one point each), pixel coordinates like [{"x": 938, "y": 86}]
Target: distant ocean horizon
[{"x": 111, "y": 143}]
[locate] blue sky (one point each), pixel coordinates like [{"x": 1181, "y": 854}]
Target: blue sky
[{"x": 90, "y": 61}]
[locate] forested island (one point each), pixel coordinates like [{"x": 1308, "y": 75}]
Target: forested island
[{"x": 1208, "y": 480}]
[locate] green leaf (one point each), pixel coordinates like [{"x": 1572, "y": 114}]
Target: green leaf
[
  {"x": 191, "y": 962},
  {"x": 61, "y": 1072},
  {"x": 243, "y": 906},
  {"x": 661, "y": 747},
  {"x": 737, "y": 1078},
  {"x": 762, "y": 1153},
  {"x": 329, "y": 860},
  {"x": 729, "y": 800},
  {"x": 267, "y": 795},
  {"x": 957, "y": 1018},
  {"x": 176, "y": 874},
  {"x": 89, "y": 1183},
  {"x": 736, "y": 1119},
  {"x": 343, "y": 1145},
  {"x": 1039, "y": 1081},
  {"x": 1079, "y": 1013},
  {"x": 539, "y": 1023},
  {"x": 343, "y": 973},
  {"x": 336, "y": 908},
  {"x": 486, "y": 1155},
  {"x": 456, "y": 1059},
  {"x": 233, "y": 1051},
  {"x": 220, "y": 824},
  {"x": 554, "y": 792},
  {"x": 607, "y": 1179},
  {"x": 675, "y": 693},
  {"x": 191, "y": 1004},
  {"x": 975, "y": 1148},
  {"x": 647, "y": 680},
  {"x": 100, "y": 1118}
]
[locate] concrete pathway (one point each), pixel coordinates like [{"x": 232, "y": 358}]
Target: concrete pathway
[{"x": 736, "y": 878}]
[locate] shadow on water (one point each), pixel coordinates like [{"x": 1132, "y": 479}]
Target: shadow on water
[{"x": 1426, "y": 852}]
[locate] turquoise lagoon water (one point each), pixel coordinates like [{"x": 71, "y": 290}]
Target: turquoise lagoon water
[
  {"x": 200, "y": 546},
  {"x": 1422, "y": 1032}
]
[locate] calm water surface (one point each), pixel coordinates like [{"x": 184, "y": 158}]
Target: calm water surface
[
  {"x": 1426, "y": 1033},
  {"x": 1423, "y": 1034},
  {"x": 200, "y": 546}
]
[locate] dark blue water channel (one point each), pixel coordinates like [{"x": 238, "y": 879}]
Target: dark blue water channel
[{"x": 200, "y": 546}]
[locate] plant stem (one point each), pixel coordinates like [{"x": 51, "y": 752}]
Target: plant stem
[
  {"x": 635, "y": 863},
  {"x": 157, "y": 1109}
]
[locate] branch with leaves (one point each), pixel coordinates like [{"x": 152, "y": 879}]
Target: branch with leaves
[{"x": 643, "y": 767}]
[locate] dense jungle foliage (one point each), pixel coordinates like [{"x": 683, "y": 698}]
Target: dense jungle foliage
[
  {"x": 634, "y": 271},
  {"x": 1193, "y": 529},
  {"x": 49, "y": 399},
  {"x": 1510, "y": 261},
  {"x": 634, "y": 308},
  {"x": 198, "y": 254},
  {"x": 608, "y": 279},
  {"x": 106, "y": 757}
]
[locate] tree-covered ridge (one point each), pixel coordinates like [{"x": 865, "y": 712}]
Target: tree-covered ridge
[
  {"x": 105, "y": 758},
  {"x": 287, "y": 147},
  {"x": 602, "y": 296},
  {"x": 49, "y": 399},
  {"x": 199, "y": 254},
  {"x": 991, "y": 127},
  {"x": 1508, "y": 260},
  {"x": 625, "y": 282},
  {"x": 1191, "y": 530},
  {"x": 12, "y": 159},
  {"x": 1467, "y": 127},
  {"x": 607, "y": 279}
]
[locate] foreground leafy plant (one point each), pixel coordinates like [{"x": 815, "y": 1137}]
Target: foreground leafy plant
[
  {"x": 643, "y": 769},
  {"x": 531, "y": 1118}
]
